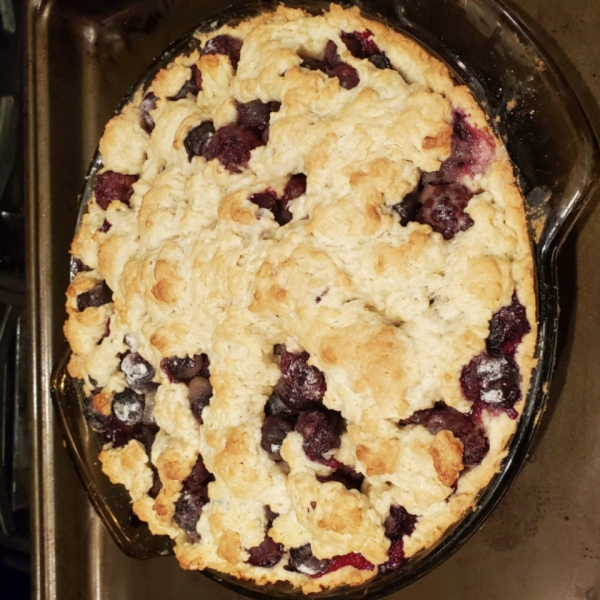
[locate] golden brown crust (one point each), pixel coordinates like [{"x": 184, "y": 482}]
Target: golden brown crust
[{"x": 390, "y": 313}]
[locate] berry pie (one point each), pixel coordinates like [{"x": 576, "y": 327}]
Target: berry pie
[{"x": 302, "y": 307}]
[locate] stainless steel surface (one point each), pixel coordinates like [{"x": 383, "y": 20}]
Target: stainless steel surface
[{"x": 541, "y": 543}]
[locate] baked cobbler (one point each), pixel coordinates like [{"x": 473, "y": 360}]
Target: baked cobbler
[{"x": 303, "y": 309}]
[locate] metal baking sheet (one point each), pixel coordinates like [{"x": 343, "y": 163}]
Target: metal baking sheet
[{"x": 542, "y": 542}]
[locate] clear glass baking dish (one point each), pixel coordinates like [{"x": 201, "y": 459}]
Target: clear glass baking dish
[{"x": 555, "y": 154}]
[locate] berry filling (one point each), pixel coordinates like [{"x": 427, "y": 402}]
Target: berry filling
[
  {"x": 192, "y": 86},
  {"x": 138, "y": 372},
  {"x": 322, "y": 432},
  {"x": 194, "y": 495},
  {"x": 361, "y": 45},
  {"x": 226, "y": 45},
  {"x": 397, "y": 524},
  {"x": 110, "y": 186},
  {"x": 273, "y": 431},
  {"x": 196, "y": 140},
  {"x": 267, "y": 554},
  {"x": 231, "y": 145},
  {"x": 333, "y": 66},
  {"x": 441, "y": 416},
  {"x": 105, "y": 226},
  {"x": 99, "y": 295},
  {"x": 146, "y": 120},
  {"x": 440, "y": 199},
  {"x": 507, "y": 328}
]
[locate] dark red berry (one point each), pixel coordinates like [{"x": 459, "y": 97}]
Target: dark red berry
[
  {"x": 200, "y": 392},
  {"x": 196, "y": 140},
  {"x": 472, "y": 151},
  {"x": 192, "y": 86},
  {"x": 270, "y": 515},
  {"x": 148, "y": 104},
  {"x": 443, "y": 208},
  {"x": 226, "y": 45},
  {"x": 194, "y": 495},
  {"x": 184, "y": 369},
  {"x": 99, "y": 295},
  {"x": 492, "y": 380},
  {"x": 302, "y": 560},
  {"x": 333, "y": 66},
  {"x": 105, "y": 226},
  {"x": 273, "y": 431},
  {"x": 441, "y": 416},
  {"x": 331, "y": 57},
  {"x": 231, "y": 145},
  {"x": 301, "y": 385},
  {"x": 360, "y": 43},
  {"x": 322, "y": 431},
  {"x": 295, "y": 187},
  {"x": 138, "y": 372},
  {"x": 275, "y": 406},
  {"x": 266, "y": 554},
  {"x": 507, "y": 328},
  {"x": 111, "y": 186}
]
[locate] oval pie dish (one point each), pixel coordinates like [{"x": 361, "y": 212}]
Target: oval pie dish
[{"x": 552, "y": 206}]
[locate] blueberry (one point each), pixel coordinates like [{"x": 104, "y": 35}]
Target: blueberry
[
  {"x": 147, "y": 104},
  {"x": 345, "y": 475},
  {"x": 273, "y": 431},
  {"x": 266, "y": 554},
  {"x": 322, "y": 431},
  {"x": 301, "y": 385},
  {"x": 194, "y": 495},
  {"x": 138, "y": 372},
  {"x": 197, "y": 139},
  {"x": 302, "y": 560},
  {"x": 200, "y": 392},
  {"x": 491, "y": 380},
  {"x": 507, "y": 328},
  {"x": 185, "y": 369},
  {"x": 192, "y": 86},
  {"x": 128, "y": 407},
  {"x": 99, "y": 295}
]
